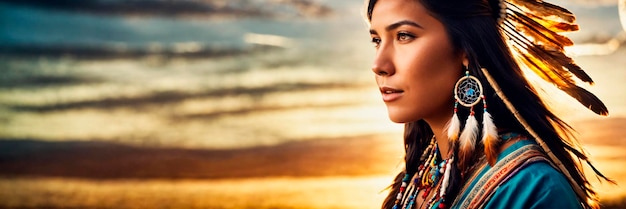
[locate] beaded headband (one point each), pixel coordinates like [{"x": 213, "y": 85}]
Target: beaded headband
[{"x": 532, "y": 29}]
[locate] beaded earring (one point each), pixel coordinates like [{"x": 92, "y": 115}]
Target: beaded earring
[{"x": 468, "y": 92}]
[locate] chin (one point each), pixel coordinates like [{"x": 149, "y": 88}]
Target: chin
[
  {"x": 396, "y": 120},
  {"x": 400, "y": 116}
]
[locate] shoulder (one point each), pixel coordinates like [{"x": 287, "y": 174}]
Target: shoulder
[{"x": 536, "y": 185}]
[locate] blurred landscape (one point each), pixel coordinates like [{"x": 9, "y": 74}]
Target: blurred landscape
[{"x": 229, "y": 104}]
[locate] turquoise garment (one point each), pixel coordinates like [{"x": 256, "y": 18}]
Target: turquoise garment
[{"x": 538, "y": 185}]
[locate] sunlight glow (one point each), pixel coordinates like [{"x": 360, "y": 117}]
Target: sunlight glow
[{"x": 310, "y": 193}]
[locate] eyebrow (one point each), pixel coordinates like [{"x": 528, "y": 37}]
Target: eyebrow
[{"x": 397, "y": 25}]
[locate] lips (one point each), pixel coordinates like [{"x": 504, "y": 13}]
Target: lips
[{"x": 391, "y": 94}]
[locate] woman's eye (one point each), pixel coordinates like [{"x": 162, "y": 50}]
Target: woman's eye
[
  {"x": 376, "y": 41},
  {"x": 403, "y": 36}
]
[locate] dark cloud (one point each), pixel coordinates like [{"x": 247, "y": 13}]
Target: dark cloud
[{"x": 189, "y": 8}]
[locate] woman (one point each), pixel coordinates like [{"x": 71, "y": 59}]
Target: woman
[{"x": 439, "y": 62}]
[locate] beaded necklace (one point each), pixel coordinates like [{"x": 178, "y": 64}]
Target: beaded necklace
[{"x": 426, "y": 179}]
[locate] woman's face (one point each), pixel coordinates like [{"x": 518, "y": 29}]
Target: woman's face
[{"x": 416, "y": 66}]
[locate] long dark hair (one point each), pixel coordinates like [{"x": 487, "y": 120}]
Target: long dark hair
[{"x": 471, "y": 27}]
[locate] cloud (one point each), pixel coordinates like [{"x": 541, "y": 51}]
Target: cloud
[{"x": 188, "y": 8}]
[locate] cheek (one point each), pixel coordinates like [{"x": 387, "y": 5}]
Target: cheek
[
  {"x": 433, "y": 92},
  {"x": 433, "y": 69},
  {"x": 431, "y": 77}
]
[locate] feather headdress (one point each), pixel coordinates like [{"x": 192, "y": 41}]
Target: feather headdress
[{"x": 532, "y": 29}]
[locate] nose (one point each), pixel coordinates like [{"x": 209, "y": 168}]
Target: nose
[{"x": 383, "y": 65}]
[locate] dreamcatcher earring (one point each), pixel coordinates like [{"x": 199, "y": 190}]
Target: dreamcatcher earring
[{"x": 468, "y": 92}]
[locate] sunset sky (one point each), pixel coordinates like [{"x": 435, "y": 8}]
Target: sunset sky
[{"x": 274, "y": 100}]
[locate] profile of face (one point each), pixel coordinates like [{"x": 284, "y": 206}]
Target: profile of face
[{"x": 416, "y": 66}]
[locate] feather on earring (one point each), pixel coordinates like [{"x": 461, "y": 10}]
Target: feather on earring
[
  {"x": 490, "y": 135},
  {"x": 454, "y": 126}
]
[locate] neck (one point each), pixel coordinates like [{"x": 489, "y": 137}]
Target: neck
[{"x": 439, "y": 129}]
